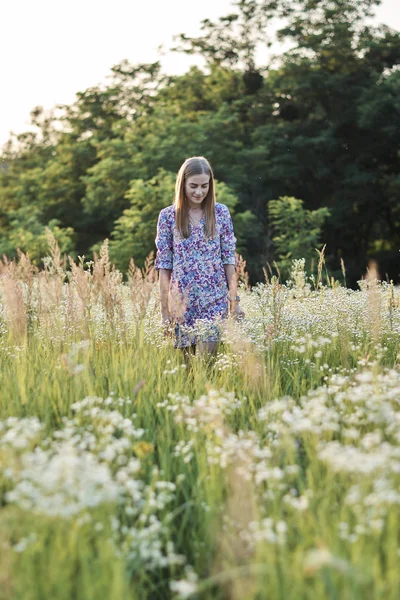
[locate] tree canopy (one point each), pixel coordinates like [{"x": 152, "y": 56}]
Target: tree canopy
[{"x": 319, "y": 124}]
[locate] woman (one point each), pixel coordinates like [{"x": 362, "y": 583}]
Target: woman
[{"x": 196, "y": 259}]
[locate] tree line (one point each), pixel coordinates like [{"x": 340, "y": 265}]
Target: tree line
[{"x": 305, "y": 149}]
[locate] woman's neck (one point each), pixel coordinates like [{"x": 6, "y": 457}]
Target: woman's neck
[{"x": 195, "y": 207}]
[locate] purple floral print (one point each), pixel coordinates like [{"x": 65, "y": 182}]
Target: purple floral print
[{"x": 198, "y": 287}]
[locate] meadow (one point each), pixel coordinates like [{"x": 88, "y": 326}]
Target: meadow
[{"x": 269, "y": 472}]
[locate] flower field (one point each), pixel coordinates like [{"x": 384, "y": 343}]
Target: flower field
[{"x": 270, "y": 472}]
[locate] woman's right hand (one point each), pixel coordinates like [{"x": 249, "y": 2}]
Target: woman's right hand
[{"x": 166, "y": 320}]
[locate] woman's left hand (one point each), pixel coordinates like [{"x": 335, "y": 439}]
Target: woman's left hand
[{"x": 237, "y": 312}]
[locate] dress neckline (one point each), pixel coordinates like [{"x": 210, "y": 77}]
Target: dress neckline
[{"x": 198, "y": 224}]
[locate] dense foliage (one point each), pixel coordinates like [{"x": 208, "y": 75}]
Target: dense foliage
[{"x": 320, "y": 123}]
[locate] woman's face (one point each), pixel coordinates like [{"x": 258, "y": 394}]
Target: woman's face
[{"x": 196, "y": 189}]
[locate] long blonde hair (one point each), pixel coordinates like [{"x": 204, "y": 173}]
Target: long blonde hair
[{"x": 196, "y": 165}]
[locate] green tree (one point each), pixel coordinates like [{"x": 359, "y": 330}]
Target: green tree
[
  {"x": 135, "y": 230},
  {"x": 331, "y": 137},
  {"x": 28, "y": 234},
  {"x": 232, "y": 41},
  {"x": 296, "y": 231},
  {"x": 321, "y": 123}
]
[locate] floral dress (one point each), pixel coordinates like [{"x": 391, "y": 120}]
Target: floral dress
[{"x": 198, "y": 295}]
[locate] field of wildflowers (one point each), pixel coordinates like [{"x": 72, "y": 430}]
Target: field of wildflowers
[{"x": 271, "y": 472}]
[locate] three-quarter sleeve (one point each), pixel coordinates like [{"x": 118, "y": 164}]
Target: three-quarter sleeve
[
  {"x": 227, "y": 237},
  {"x": 164, "y": 242}
]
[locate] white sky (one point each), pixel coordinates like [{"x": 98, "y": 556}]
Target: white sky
[{"x": 50, "y": 50}]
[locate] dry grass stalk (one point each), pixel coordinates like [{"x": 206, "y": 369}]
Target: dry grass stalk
[
  {"x": 26, "y": 269},
  {"x": 321, "y": 263},
  {"x": 16, "y": 310},
  {"x": 277, "y": 304},
  {"x": 277, "y": 269},
  {"x": 270, "y": 271},
  {"x": 79, "y": 295},
  {"x": 394, "y": 303},
  {"x": 374, "y": 300},
  {"x": 56, "y": 264},
  {"x": 232, "y": 565},
  {"x": 80, "y": 280},
  {"x": 141, "y": 282},
  {"x": 50, "y": 283},
  {"x": 241, "y": 273},
  {"x": 27, "y": 273},
  {"x": 251, "y": 363},
  {"x": 343, "y": 271},
  {"x": 106, "y": 282},
  {"x": 234, "y": 555},
  {"x": 101, "y": 269}
]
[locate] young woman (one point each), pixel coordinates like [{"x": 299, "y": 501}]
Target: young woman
[{"x": 196, "y": 259}]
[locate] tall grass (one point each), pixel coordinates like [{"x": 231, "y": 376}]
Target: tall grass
[{"x": 270, "y": 471}]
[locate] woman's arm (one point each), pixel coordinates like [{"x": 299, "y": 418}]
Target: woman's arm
[
  {"x": 164, "y": 260},
  {"x": 165, "y": 277},
  {"x": 230, "y": 274},
  {"x": 235, "y": 310},
  {"x": 228, "y": 247}
]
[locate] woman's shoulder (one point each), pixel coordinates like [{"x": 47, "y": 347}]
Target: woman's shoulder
[
  {"x": 168, "y": 212},
  {"x": 221, "y": 209}
]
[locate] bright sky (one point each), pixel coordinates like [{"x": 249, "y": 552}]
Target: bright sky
[{"x": 51, "y": 50}]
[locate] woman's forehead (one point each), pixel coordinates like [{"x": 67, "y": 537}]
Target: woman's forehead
[{"x": 198, "y": 179}]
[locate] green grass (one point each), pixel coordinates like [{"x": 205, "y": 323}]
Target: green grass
[{"x": 256, "y": 510}]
